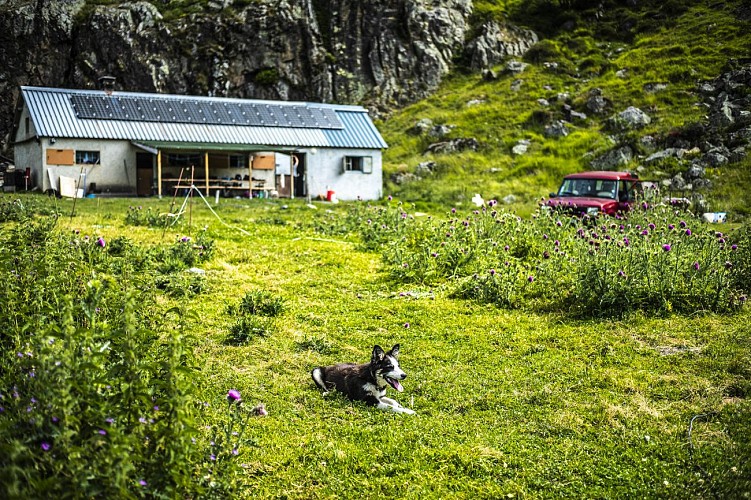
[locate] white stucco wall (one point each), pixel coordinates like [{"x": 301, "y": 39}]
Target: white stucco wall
[
  {"x": 116, "y": 171},
  {"x": 325, "y": 173}
]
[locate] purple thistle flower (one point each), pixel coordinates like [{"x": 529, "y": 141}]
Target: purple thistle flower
[
  {"x": 671, "y": 227},
  {"x": 531, "y": 279},
  {"x": 433, "y": 254},
  {"x": 102, "y": 432},
  {"x": 233, "y": 395},
  {"x": 492, "y": 272},
  {"x": 544, "y": 236},
  {"x": 666, "y": 247},
  {"x": 110, "y": 420},
  {"x": 728, "y": 265},
  {"x": 46, "y": 446},
  {"x": 688, "y": 232},
  {"x": 718, "y": 234},
  {"x": 545, "y": 254},
  {"x": 235, "y": 451},
  {"x": 212, "y": 456},
  {"x": 100, "y": 242},
  {"x": 390, "y": 198},
  {"x": 721, "y": 241},
  {"x": 142, "y": 482},
  {"x": 406, "y": 325},
  {"x": 453, "y": 210},
  {"x": 734, "y": 247},
  {"x": 682, "y": 223},
  {"x": 557, "y": 243},
  {"x": 558, "y": 223},
  {"x": 644, "y": 233},
  {"x": 55, "y": 420},
  {"x": 651, "y": 226},
  {"x": 696, "y": 266},
  {"x": 621, "y": 273},
  {"x": 506, "y": 247}
]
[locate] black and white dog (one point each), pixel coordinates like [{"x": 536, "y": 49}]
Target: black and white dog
[{"x": 366, "y": 382}]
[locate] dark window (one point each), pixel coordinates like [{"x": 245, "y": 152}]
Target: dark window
[
  {"x": 184, "y": 160},
  {"x": 362, "y": 164},
  {"x": 238, "y": 161},
  {"x": 87, "y": 157},
  {"x": 26, "y": 123}
]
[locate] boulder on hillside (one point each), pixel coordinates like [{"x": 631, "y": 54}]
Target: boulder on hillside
[
  {"x": 556, "y": 129},
  {"x": 497, "y": 41},
  {"x": 613, "y": 159},
  {"x": 629, "y": 119},
  {"x": 421, "y": 126},
  {"x": 453, "y": 146}
]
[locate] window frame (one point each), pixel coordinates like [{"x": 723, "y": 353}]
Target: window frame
[
  {"x": 362, "y": 164},
  {"x": 79, "y": 158}
]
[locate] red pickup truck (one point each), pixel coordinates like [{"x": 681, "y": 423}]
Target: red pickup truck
[{"x": 597, "y": 192}]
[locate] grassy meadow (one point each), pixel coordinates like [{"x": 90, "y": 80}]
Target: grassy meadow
[{"x": 522, "y": 401}]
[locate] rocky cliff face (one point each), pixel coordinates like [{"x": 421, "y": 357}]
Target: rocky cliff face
[{"x": 381, "y": 53}]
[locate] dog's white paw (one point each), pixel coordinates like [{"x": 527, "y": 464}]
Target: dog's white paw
[{"x": 408, "y": 411}]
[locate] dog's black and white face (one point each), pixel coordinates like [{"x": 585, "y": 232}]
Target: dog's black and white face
[{"x": 385, "y": 366}]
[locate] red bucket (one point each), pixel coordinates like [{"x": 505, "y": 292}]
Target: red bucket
[{"x": 330, "y": 195}]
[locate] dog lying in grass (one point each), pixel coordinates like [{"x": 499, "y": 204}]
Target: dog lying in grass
[{"x": 366, "y": 382}]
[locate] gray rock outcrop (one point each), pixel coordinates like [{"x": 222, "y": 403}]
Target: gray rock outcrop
[
  {"x": 380, "y": 53},
  {"x": 497, "y": 42}
]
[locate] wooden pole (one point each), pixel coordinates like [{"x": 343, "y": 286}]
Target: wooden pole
[
  {"x": 206, "y": 168},
  {"x": 159, "y": 173}
]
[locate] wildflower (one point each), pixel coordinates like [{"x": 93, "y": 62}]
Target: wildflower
[
  {"x": 109, "y": 420},
  {"x": 233, "y": 396},
  {"x": 433, "y": 254},
  {"x": 102, "y": 432},
  {"x": 453, "y": 210},
  {"x": 545, "y": 254},
  {"x": 671, "y": 227},
  {"x": 696, "y": 266},
  {"x": 682, "y": 223},
  {"x": 406, "y": 325},
  {"x": 55, "y": 420},
  {"x": 46, "y": 446},
  {"x": 651, "y": 226},
  {"x": 390, "y": 198},
  {"x": 544, "y": 236},
  {"x": 506, "y": 247},
  {"x": 185, "y": 239},
  {"x": 142, "y": 482},
  {"x": 143, "y": 420},
  {"x": 644, "y": 233},
  {"x": 666, "y": 247},
  {"x": 531, "y": 279},
  {"x": 235, "y": 451},
  {"x": 728, "y": 265},
  {"x": 721, "y": 241},
  {"x": 742, "y": 298},
  {"x": 718, "y": 234},
  {"x": 557, "y": 243},
  {"x": 405, "y": 265},
  {"x": 621, "y": 273},
  {"x": 212, "y": 456},
  {"x": 688, "y": 232},
  {"x": 734, "y": 247},
  {"x": 558, "y": 223}
]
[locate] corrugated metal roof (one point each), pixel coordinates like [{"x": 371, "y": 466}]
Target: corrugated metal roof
[{"x": 53, "y": 115}]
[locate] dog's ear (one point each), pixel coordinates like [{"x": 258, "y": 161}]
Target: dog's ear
[
  {"x": 378, "y": 354},
  {"x": 394, "y": 351}
]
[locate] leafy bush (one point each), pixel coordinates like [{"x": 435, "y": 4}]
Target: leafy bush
[
  {"x": 255, "y": 314},
  {"x": 137, "y": 216},
  {"x": 258, "y": 302},
  {"x": 658, "y": 260}
]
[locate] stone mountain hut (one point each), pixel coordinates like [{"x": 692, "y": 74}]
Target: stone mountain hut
[{"x": 126, "y": 143}]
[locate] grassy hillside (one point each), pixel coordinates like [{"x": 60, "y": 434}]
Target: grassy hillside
[{"x": 675, "y": 43}]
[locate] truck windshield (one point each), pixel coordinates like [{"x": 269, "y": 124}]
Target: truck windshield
[{"x": 592, "y": 188}]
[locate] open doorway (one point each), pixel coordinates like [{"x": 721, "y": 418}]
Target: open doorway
[
  {"x": 144, "y": 173},
  {"x": 299, "y": 173}
]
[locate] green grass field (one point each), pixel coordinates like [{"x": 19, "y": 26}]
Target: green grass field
[{"x": 509, "y": 403}]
